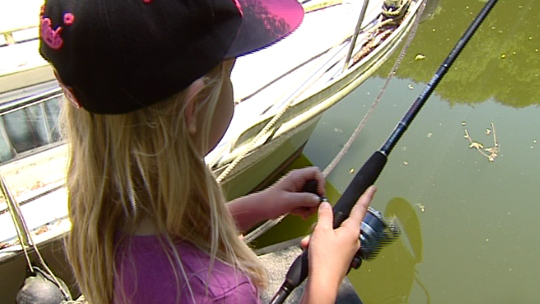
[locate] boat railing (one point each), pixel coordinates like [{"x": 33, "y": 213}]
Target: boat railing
[
  {"x": 29, "y": 124},
  {"x": 26, "y": 33},
  {"x": 32, "y": 152},
  {"x": 22, "y": 24}
]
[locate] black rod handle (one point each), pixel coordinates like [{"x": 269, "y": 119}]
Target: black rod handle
[
  {"x": 371, "y": 170},
  {"x": 365, "y": 177}
]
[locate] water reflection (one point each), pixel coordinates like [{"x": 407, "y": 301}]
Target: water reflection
[
  {"x": 390, "y": 277},
  {"x": 478, "y": 218},
  {"x": 501, "y": 62},
  {"x": 432, "y": 8}
]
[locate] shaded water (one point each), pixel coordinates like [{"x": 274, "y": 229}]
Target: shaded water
[
  {"x": 470, "y": 225},
  {"x": 470, "y": 233}
]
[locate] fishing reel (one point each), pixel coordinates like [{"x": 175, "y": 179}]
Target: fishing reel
[{"x": 375, "y": 232}]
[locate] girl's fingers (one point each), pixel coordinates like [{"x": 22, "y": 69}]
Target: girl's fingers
[
  {"x": 304, "y": 199},
  {"x": 320, "y": 181},
  {"x": 360, "y": 208},
  {"x": 304, "y": 243},
  {"x": 326, "y": 217},
  {"x": 300, "y": 176}
]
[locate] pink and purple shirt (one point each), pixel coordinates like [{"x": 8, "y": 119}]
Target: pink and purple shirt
[{"x": 145, "y": 276}]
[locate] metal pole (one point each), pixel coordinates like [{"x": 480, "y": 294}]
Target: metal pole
[{"x": 356, "y": 32}]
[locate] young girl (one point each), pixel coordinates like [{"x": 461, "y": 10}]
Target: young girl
[{"x": 149, "y": 91}]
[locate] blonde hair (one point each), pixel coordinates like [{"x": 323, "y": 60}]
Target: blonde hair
[{"x": 145, "y": 164}]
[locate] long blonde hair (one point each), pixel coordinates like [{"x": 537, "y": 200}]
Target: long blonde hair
[{"x": 145, "y": 164}]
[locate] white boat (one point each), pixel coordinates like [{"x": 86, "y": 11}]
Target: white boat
[
  {"x": 295, "y": 102},
  {"x": 281, "y": 93}
]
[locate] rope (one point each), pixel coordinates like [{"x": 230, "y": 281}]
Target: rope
[
  {"x": 25, "y": 237},
  {"x": 263, "y": 228},
  {"x": 270, "y": 124},
  {"x": 364, "y": 120},
  {"x": 303, "y": 88}
]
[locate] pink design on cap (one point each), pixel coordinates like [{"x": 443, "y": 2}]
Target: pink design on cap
[
  {"x": 69, "y": 18},
  {"x": 147, "y": 1},
  {"x": 51, "y": 37},
  {"x": 68, "y": 92},
  {"x": 239, "y": 7}
]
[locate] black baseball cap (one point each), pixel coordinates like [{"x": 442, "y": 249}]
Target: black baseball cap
[{"x": 117, "y": 56}]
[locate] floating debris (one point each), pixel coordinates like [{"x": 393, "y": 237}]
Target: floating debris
[
  {"x": 405, "y": 162},
  {"x": 493, "y": 151},
  {"x": 463, "y": 123},
  {"x": 421, "y": 207},
  {"x": 503, "y": 56},
  {"x": 411, "y": 86},
  {"x": 476, "y": 145},
  {"x": 419, "y": 57},
  {"x": 351, "y": 171},
  {"x": 429, "y": 135}
]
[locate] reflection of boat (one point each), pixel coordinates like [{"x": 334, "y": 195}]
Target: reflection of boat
[{"x": 252, "y": 150}]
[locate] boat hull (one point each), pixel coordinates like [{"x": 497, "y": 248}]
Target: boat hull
[
  {"x": 261, "y": 166},
  {"x": 265, "y": 159}
]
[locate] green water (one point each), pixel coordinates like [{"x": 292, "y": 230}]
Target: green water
[{"x": 470, "y": 226}]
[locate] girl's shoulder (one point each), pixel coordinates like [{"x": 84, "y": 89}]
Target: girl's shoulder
[{"x": 150, "y": 273}]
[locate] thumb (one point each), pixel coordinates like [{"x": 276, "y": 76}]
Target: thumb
[
  {"x": 326, "y": 216},
  {"x": 304, "y": 243}
]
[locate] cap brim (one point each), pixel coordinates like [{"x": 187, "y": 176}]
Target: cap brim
[{"x": 265, "y": 22}]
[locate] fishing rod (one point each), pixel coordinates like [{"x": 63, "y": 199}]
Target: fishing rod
[{"x": 373, "y": 238}]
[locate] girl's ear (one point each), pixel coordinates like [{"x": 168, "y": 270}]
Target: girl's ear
[{"x": 191, "y": 105}]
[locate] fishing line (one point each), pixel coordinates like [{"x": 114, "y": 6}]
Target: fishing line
[
  {"x": 286, "y": 105},
  {"x": 373, "y": 167},
  {"x": 296, "y": 93},
  {"x": 377, "y": 100},
  {"x": 263, "y": 228},
  {"x": 25, "y": 237}
]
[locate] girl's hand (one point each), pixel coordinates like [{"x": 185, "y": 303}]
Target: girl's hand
[
  {"x": 287, "y": 196},
  {"x": 332, "y": 250},
  {"x": 283, "y": 197}
]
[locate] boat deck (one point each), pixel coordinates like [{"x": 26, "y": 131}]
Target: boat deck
[{"x": 322, "y": 31}]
